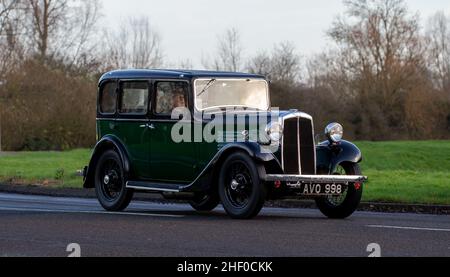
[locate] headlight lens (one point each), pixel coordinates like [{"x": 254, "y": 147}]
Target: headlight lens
[
  {"x": 274, "y": 131},
  {"x": 334, "y": 132}
]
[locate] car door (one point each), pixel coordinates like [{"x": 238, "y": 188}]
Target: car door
[
  {"x": 131, "y": 126},
  {"x": 171, "y": 161}
]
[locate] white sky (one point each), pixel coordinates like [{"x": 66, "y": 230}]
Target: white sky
[{"x": 189, "y": 29}]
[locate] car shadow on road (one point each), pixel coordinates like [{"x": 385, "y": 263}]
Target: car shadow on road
[{"x": 221, "y": 215}]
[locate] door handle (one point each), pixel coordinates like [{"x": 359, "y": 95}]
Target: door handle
[{"x": 148, "y": 126}]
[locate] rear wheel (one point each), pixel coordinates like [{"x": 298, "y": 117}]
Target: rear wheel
[
  {"x": 110, "y": 183},
  {"x": 240, "y": 187},
  {"x": 343, "y": 206}
]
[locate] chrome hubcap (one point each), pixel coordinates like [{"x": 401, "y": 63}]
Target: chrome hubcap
[
  {"x": 106, "y": 180},
  {"x": 234, "y": 184}
]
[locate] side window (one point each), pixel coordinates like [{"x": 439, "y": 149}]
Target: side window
[
  {"x": 108, "y": 98},
  {"x": 169, "y": 96},
  {"x": 134, "y": 98}
]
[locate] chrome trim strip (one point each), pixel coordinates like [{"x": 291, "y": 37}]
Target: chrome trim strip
[
  {"x": 170, "y": 121},
  {"x": 131, "y": 119},
  {"x": 144, "y": 120},
  {"x": 151, "y": 189},
  {"x": 315, "y": 178},
  {"x": 123, "y": 119},
  {"x": 298, "y": 114}
]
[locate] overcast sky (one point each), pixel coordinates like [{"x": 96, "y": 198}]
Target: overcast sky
[{"x": 190, "y": 28}]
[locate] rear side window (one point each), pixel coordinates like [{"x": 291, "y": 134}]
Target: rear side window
[
  {"x": 134, "y": 98},
  {"x": 108, "y": 98}
]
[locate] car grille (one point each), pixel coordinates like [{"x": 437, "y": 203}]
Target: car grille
[{"x": 298, "y": 148}]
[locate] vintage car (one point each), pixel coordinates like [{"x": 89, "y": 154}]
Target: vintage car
[{"x": 213, "y": 137}]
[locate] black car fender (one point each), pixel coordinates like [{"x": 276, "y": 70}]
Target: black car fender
[
  {"x": 253, "y": 149},
  {"x": 106, "y": 143},
  {"x": 330, "y": 155}
]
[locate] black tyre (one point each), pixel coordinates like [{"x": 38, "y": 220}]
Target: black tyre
[
  {"x": 240, "y": 187},
  {"x": 343, "y": 206},
  {"x": 110, "y": 183},
  {"x": 205, "y": 202}
]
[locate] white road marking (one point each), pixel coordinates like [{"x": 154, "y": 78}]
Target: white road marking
[
  {"x": 409, "y": 228},
  {"x": 86, "y": 212}
]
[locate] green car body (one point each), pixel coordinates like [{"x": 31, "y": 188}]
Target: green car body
[{"x": 152, "y": 161}]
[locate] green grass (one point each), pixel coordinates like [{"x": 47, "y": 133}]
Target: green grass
[
  {"x": 402, "y": 172},
  {"x": 54, "y": 169},
  {"x": 407, "y": 172}
]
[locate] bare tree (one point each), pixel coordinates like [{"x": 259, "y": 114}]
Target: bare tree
[
  {"x": 438, "y": 35},
  {"x": 6, "y": 6},
  {"x": 381, "y": 36},
  {"x": 47, "y": 16},
  {"x": 381, "y": 60},
  {"x": 282, "y": 65},
  {"x": 135, "y": 45},
  {"x": 79, "y": 45},
  {"x": 260, "y": 64},
  {"x": 185, "y": 64},
  {"x": 9, "y": 28},
  {"x": 62, "y": 29},
  {"x": 229, "y": 52},
  {"x": 285, "y": 63}
]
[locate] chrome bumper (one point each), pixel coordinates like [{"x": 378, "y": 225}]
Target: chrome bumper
[{"x": 316, "y": 179}]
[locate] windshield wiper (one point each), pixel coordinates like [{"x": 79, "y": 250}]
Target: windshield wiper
[{"x": 208, "y": 85}]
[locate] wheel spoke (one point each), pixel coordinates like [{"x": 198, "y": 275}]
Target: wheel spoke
[
  {"x": 239, "y": 194},
  {"x": 111, "y": 188},
  {"x": 339, "y": 199}
]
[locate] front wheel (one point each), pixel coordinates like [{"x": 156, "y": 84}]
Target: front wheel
[
  {"x": 110, "y": 183},
  {"x": 343, "y": 206},
  {"x": 240, "y": 187}
]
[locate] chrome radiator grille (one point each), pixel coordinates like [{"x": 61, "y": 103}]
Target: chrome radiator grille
[{"x": 298, "y": 147}]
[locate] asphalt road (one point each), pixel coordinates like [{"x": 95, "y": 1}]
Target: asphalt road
[{"x": 45, "y": 226}]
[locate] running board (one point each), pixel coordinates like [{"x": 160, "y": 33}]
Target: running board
[
  {"x": 155, "y": 187},
  {"x": 322, "y": 179}
]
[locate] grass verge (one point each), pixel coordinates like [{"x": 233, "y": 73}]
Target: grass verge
[{"x": 410, "y": 172}]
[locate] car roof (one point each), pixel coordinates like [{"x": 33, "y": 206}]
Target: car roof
[{"x": 174, "y": 74}]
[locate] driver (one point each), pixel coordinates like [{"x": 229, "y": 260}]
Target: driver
[{"x": 178, "y": 98}]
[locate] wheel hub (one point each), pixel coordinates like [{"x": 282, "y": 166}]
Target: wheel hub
[
  {"x": 110, "y": 178},
  {"x": 238, "y": 183},
  {"x": 106, "y": 179},
  {"x": 234, "y": 184}
]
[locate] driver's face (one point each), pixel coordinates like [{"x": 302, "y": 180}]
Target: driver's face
[{"x": 179, "y": 100}]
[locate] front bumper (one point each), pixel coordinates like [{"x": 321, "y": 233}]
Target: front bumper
[{"x": 294, "y": 181}]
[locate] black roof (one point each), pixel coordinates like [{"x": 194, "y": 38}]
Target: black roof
[{"x": 174, "y": 74}]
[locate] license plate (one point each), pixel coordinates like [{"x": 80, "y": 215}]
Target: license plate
[{"x": 321, "y": 189}]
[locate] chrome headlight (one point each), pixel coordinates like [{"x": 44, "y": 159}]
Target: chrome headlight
[
  {"x": 334, "y": 132},
  {"x": 275, "y": 131}
]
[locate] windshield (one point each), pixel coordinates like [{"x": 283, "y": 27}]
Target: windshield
[{"x": 240, "y": 93}]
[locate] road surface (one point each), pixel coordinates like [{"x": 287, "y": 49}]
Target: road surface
[{"x": 45, "y": 226}]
